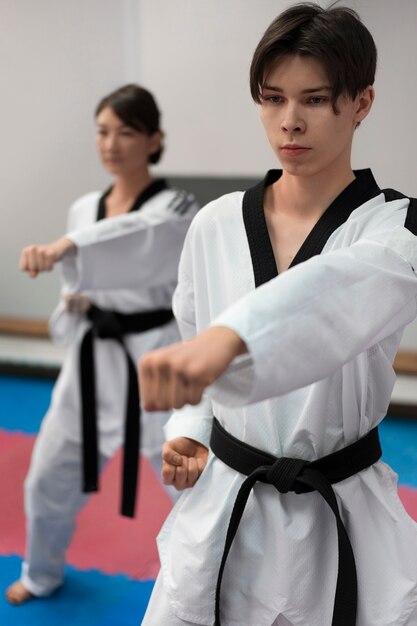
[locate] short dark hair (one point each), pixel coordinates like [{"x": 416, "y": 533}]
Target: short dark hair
[
  {"x": 334, "y": 36},
  {"x": 137, "y": 108}
]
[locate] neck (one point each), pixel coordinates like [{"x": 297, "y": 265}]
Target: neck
[
  {"x": 310, "y": 195},
  {"x": 130, "y": 186}
]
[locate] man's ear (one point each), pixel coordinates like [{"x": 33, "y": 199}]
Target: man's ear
[{"x": 365, "y": 100}]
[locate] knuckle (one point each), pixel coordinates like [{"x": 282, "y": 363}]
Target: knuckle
[
  {"x": 167, "y": 475},
  {"x": 196, "y": 399},
  {"x": 166, "y": 452},
  {"x": 144, "y": 364}
]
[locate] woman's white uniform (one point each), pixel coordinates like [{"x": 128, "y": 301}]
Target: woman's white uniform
[
  {"x": 321, "y": 338},
  {"x": 53, "y": 486}
]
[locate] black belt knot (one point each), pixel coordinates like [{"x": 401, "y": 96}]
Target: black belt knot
[
  {"x": 300, "y": 476},
  {"x": 283, "y": 473},
  {"x": 107, "y": 324}
]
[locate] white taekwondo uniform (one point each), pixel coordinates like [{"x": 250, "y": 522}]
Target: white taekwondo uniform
[
  {"x": 318, "y": 376},
  {"x": 155, "y": 228}
]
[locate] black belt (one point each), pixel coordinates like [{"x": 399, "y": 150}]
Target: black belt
[
  {"x": 287, "y": 474},
  {"x": 108, "y": 324}
]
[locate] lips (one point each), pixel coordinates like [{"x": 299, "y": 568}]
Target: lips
[{"x": 293, "y": 150}]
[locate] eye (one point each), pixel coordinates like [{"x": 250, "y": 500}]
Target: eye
[
  {"x": 317, "y": 100},
  {"x": 272, "y": 99}
]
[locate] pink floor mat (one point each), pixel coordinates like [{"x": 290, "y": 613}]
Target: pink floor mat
[{"x": 104, "y": 540}]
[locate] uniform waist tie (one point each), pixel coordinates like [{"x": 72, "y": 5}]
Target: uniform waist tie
[
  {"x": 108, "y": 324},
  {"x": 299, "y": 476}
]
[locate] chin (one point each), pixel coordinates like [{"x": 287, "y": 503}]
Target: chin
[
  {"x": 296, "y": 169},
  {"x": 116, "y": 170}
]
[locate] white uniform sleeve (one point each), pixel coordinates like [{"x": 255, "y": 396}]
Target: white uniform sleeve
[
  {"x": 194, "y": 422},
  {"x": 140, "y": 248},
  {"x": 63, "y": 325},
  {"x": 309, "y": 321}
]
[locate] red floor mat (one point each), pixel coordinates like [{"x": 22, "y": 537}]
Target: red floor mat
[
  {"x": 104, "y": 540},
  {"x": 409, "y": 499}
]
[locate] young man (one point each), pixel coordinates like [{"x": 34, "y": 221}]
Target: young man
[{"x": 292, "y": 518}]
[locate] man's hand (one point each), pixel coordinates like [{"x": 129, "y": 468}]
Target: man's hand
[
  {"x": 35, "y": 259},
  {"x": 183, "y": 460},
  {"x": 177, "y": 375}
]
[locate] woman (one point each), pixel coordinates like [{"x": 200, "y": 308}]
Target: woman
[{"x": 129, "y": 140}]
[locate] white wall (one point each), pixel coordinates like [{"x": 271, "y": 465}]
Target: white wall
[
  {"x": 196, "y": 54},
  {"x": 58, "y": 58}
]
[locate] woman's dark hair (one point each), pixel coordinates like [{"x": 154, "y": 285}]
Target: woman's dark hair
[
  {"x": 137, "y": 108},
  {"x": 334, "y": 36}
]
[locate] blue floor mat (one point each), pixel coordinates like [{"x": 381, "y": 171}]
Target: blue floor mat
[
  {"x": 399, "y": 445},
  {"x": 23, "y": 402},
  {"x": 87, "y": 599}
]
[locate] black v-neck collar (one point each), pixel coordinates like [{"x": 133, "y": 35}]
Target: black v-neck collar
[
  {"x": 411, "y": 217},
  {"x": 151, "y": 190},
  {"x": 359, "y": 191}
]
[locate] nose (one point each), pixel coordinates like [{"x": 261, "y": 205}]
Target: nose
[
  {"x": 292, "y": 121},
  {"x": 110, "y": 142}
]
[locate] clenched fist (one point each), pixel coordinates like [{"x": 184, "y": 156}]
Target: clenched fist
[
  {"x": 42, "y": 258},
  {"x": 177, "y": 375},
  {"x": 183, "y": 460}
]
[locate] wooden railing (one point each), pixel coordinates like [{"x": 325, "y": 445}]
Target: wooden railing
[
  {"x": 23, "y": 327},
  {"x": 405, "y": 361}
]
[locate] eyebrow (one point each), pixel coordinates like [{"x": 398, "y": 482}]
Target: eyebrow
[
  {"x": 304, "y": 91},
  {"x": 104, "y": 125}
]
